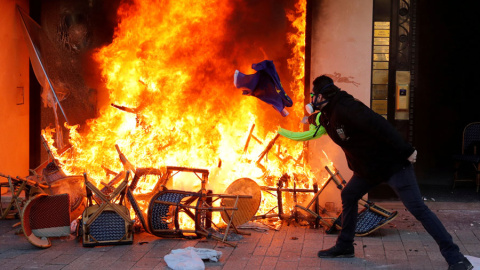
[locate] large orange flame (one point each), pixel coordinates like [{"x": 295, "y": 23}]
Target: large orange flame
[{"x": 170, "y": 71}]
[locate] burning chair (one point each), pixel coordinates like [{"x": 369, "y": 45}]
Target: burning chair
[
  {"x": 371, "y": 218},
  {"x": 107, "y": 222},
  {"x": 165, "y": 205}
]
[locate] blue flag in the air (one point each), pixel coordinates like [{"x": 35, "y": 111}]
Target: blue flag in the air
[{"x": 264, "y": 85}]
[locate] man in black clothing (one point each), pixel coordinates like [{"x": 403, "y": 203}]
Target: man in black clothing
[{"x": 376, "y": 153}]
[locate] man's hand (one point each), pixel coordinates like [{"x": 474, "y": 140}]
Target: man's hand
[
  {"x": 312, "y": 119},
  {"x": 413, "y": 157}
]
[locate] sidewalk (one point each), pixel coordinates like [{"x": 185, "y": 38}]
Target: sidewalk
[{"x": 401, "y": 244}]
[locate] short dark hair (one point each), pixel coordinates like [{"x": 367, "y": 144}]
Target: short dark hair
[{"x": 324, "y": 85}]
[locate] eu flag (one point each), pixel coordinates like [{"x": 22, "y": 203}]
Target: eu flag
[{"x": 265, "y": 85}]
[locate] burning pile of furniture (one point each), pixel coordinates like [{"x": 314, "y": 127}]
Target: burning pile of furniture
[
  {"x": 52, "y": 202},
  {"x": 50, "y": 205}
]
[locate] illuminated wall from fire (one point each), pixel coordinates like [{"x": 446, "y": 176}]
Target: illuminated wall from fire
[
  {"x": 341, "y": 48},
  {"x": 14, "y": 86}
]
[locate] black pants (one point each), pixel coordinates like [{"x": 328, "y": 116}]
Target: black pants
[{"x": 404, "y": 183}]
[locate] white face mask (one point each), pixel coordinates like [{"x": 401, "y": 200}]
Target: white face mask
[
  {"x": 314, "y": 106},
  {"x": 310, "y": 108}
]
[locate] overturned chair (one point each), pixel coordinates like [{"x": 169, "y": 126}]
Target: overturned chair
[
  {"x": 108, "y": 221},
  {"x": 371, "y": 218},
  {"x": 166, "y": 206},
  {"x": 46, "y": 216}
]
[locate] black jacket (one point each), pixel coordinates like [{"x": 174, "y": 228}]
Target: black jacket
[{"x": 373, "y": 147}]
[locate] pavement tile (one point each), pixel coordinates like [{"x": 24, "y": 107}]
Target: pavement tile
[
  {"x": 373, "y": 250},
  {"x": 292, "y": 246},
  {"x": 235, "y": 264},
  {"x": 392, "y": 246},
  {"x": 435, "y": 256},
  {"x": 163, "y": 266},
  {"x": 415, "y": 250},
  {"x": 260, "y": 250},
  {"x": 309, "y": 262},
  {"x": 255, "y": 262},
  {"x": 147, "y": 263},
  {"x": 274, "y": 251},
  {"x": 268, "y": 263},
  {"x": 282, "y": 265},
  {"x": 466, "y": 237},
  {"x": 132, "y": 256},
  {"x": 121, "y": 265},
  {"x": 64, "y": 259},
  {"x": 309, "y": 252},
  {"x": 105, "y": 261},
  {"x": 395, "y": 255},
  {"x": 404, "y": 245},
  {"x": 312, "y": 243},
  {"x": 370, "y": 241},
  {"x": 359, "y": 249},
  {"x": 472, "y": 249},
  {"x": 289, "y": 256}
]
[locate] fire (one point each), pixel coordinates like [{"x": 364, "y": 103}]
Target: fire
[
  {"x": 296, "y": 64},
  {"x": 171, "y": 100}
]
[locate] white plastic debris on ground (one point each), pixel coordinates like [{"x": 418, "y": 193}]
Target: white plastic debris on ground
[
  {"x": 207, "y": 254},
  {"x": 474, "y": 260},
  {"x": 191, "y": 258}
]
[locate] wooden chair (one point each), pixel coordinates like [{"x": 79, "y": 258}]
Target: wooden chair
[
  {"x": 16, "y": 186},
  {"x": 14, "y": 206},
  {"x": 165, "y": 207},
  {"x": 470, "y": 154},
  {"x": 107, "y": 222},
  {"x": 371, "y": 218},
  {"x": 46, "y": 216}
]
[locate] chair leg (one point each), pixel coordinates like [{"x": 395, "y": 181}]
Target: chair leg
[{"x": 16, "y": 201}]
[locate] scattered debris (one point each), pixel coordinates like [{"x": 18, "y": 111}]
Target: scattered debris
[
  {"x": 257, "y": 226},
  {"x": 191, "y": 258},
  {"x": 184, "y": 259},
  {"x": 230, "y": 237}
]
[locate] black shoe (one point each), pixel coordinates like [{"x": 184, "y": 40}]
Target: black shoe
[
  {"x": 337, "y": 252},
  {"x": 461, "y": 265}
]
